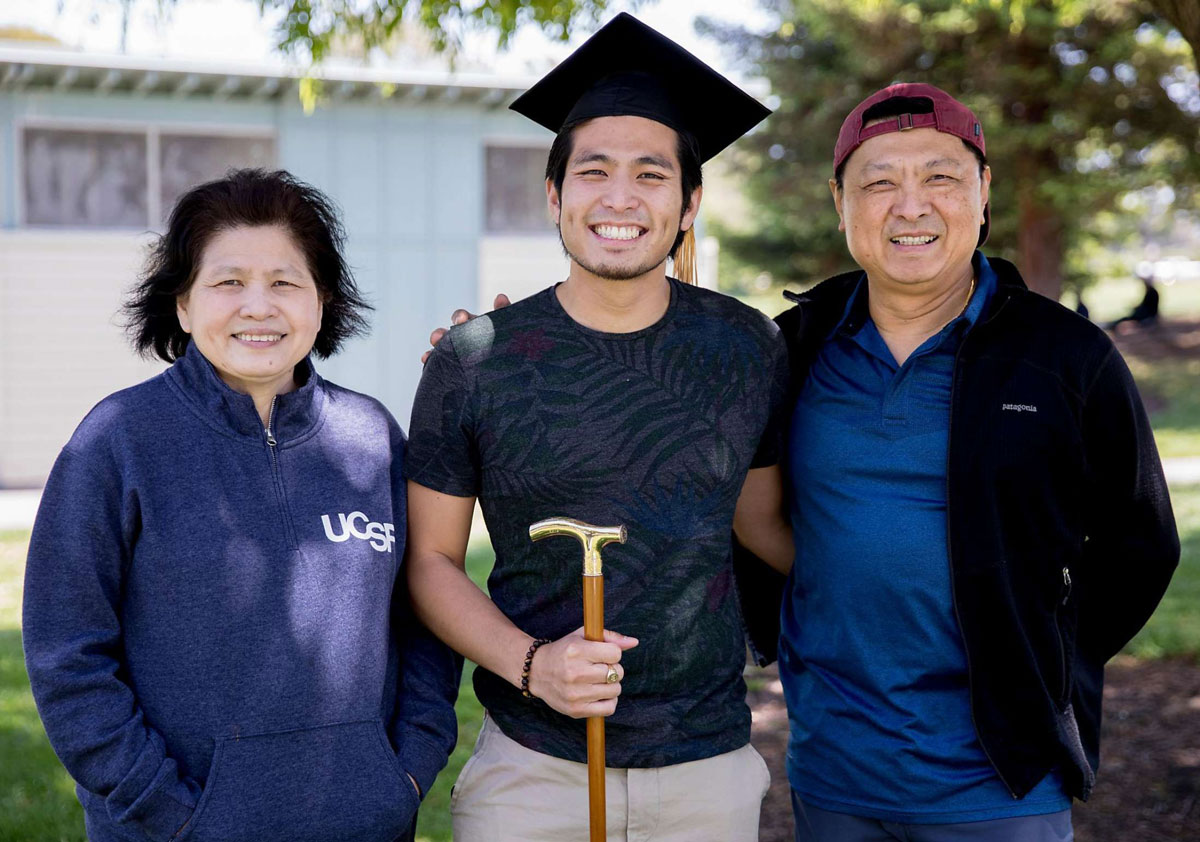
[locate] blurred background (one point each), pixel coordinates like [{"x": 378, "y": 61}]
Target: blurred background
[{"x": 110, "y": 109}]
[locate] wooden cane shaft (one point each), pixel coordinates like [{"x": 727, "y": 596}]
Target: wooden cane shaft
[
  {"x": 593, "y": 629},
  {"x": 596, "y": 799},
  {"x": 593, "y": 607}
]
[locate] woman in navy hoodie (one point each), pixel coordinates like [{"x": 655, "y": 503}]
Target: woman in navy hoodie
[{"x": 214, "y": 628}]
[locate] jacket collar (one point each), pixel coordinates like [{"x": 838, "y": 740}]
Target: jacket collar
[
  {"x": 296, "y": 412},
  {"x": 835, "y": 293}
]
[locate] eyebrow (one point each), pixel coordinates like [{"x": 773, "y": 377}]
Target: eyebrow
[
  {"x": 588, "y": 157},
  {"x": 885, "y": 166},
  {"x": 230, "y": 269}
]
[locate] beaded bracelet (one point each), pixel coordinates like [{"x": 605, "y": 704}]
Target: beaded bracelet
[{"x": 533, "y": 647}]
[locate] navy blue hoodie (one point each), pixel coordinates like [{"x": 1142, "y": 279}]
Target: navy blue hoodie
[{"x": 213, "y": 624}]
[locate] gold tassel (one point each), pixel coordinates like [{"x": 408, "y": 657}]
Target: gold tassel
[{"x": 685, "y": 258}]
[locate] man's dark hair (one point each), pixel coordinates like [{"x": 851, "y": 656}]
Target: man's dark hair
[
  {"x": 687, "y": 150},
  {"x": 244, "y": 198},
  {"x": 894, "y": 107}
]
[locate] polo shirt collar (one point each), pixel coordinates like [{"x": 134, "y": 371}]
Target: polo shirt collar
[{"x": 856, "y": 313}]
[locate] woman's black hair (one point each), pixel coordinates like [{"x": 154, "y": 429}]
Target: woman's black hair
[{"x": 250, "y": 198}]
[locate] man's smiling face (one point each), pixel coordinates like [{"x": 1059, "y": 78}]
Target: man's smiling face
[
  {"x": 911, "y": 206},
  {"x": 621, "y": 203}
]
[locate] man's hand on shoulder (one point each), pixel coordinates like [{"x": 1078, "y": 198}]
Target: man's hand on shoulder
[
  {"x": 571, "y": 673},
  {"x": 456, "y": 318}
]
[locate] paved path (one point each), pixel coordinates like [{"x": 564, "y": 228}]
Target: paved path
[{"x": 18, "y": 506}]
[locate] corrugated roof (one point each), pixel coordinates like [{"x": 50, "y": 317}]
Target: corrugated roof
[{"x": 67, "y": 70}]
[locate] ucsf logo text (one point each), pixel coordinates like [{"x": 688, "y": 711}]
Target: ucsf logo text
[{"x": 357, "y": 525}]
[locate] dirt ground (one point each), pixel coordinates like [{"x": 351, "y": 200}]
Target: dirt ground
[{"x": 1149, "y": 778}]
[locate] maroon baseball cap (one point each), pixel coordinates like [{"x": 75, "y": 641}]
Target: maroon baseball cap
[{"x": 938, "y": 111}]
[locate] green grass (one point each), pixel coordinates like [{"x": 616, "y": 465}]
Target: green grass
[
  {"x": 37, "y": 797},
  {"x": 1175, "y": 627},
  {"x": 433, "y": 824},
  {"x": 1111, "y": 299},
  {"x": 1173, "y": 387}
]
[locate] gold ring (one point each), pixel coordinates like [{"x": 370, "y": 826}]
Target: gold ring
[{"x": 613, "y": 676}]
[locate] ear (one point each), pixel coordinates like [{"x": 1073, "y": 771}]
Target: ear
[
  {"x": 837, "y": 203},
  {"x": 181, "y": 313},
  {"x": 985, "y": 185},
  {"x": 693, "y": 208},
  {"x": 553, "y": 202}
]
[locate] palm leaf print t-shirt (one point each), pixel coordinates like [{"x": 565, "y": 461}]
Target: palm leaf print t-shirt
[{"x": 539, "y": 416}]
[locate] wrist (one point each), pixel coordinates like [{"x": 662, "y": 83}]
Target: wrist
[{"x": 527, "y": 666}]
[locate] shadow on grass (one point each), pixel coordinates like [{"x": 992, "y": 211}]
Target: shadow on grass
[{"x": 37, "y": 797}]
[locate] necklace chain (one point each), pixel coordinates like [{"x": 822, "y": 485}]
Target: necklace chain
[{"x": 970, "y": 292}]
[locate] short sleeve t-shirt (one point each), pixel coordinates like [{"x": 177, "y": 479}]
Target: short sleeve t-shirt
[{"x": 539, "y": 416}]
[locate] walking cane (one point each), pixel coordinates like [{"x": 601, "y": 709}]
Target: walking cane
[{"x": 592, "y": 538}]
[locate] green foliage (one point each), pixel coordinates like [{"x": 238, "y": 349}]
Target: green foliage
[
  {"x": 1082, "y": 101},
  {"x": 310, "y": 27}
]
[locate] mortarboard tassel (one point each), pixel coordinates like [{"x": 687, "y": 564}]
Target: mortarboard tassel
[{"x": 685, "y": 258}]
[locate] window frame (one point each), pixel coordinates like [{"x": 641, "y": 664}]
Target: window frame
[
  {"x": 512, "y": 141},
  {"x": 153, "y": 132}
]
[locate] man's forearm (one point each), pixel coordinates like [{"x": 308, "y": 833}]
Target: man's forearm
[
  {"x": 760, "y": 522},
  {"x": 770, "y": 541},
  {"x": 457, "y": 611}
]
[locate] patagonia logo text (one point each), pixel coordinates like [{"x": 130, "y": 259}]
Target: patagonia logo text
[
  {"x": 1019, "y": 407},
  {"x": 382, "y": 536}
]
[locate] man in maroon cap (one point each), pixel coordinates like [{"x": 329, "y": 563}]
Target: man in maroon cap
[{"x": 979, "y": 511}]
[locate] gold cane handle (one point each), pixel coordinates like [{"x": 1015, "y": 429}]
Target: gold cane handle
[{"x": 591, "y": 537}]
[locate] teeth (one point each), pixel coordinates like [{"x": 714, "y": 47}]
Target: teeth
[
  {"x": 259, "y": 337},
  {"x": 913, "y": 241},
  {"x": 615, "y": 232}
]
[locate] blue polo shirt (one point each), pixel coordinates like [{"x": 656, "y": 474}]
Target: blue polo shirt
[{"x": 871, "y": 656}]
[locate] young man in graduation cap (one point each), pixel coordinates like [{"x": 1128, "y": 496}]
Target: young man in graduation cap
[{"x": 618, "y": 396}]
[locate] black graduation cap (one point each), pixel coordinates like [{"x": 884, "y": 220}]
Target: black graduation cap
[{"x": 627, "y": 68}]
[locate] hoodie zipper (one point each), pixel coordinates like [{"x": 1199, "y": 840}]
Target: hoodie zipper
[
  {"x": 950, "y": 559},
  {"x": 277, "y": 477}
]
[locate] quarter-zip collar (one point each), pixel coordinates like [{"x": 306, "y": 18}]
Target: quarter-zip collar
[{"x": 296, "y": 413}]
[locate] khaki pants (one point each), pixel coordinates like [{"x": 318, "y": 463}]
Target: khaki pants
[{"x": 509, "y": 793}]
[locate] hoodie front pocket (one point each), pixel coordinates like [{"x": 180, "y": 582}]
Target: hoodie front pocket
[{"x": 309, "y": 785}]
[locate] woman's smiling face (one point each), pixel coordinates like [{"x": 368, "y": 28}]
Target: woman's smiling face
[{"x": 253, "y": 309}]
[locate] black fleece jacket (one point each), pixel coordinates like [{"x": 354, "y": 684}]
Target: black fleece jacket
[{"x": 1061, "y": 535}]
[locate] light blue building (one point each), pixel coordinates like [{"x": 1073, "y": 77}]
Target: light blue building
[{"x": 440, "y": 186}]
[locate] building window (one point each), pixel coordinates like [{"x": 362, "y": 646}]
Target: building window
[
  {"x": 85, "y": 179},
  {"x": 102, "y": 178},
  {"x": 515, "y": 193},
  {"x": 190, "y": 159}
]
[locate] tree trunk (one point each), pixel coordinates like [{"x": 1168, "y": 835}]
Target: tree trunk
[{"x": 1039, "y": 245}]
